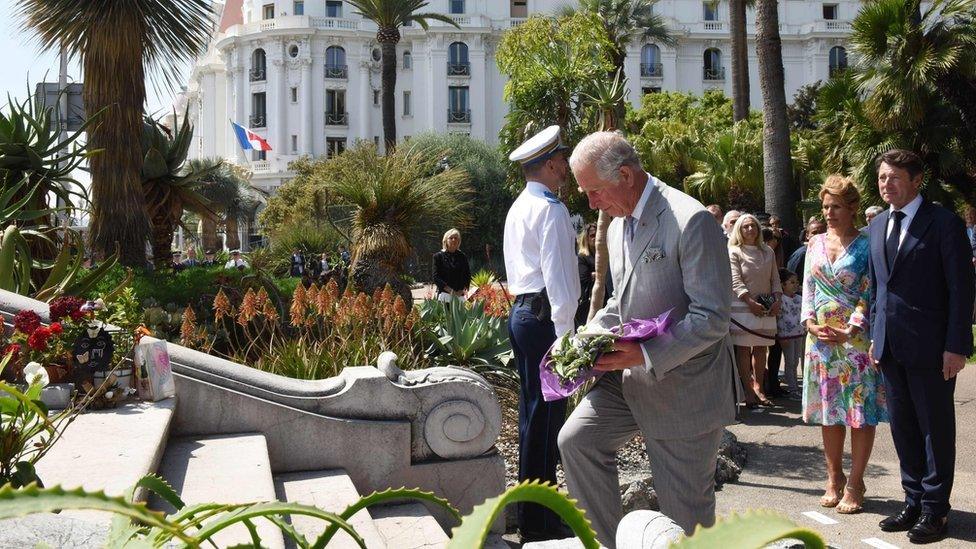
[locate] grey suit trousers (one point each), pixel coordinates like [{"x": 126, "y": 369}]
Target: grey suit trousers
[{"x": 683, "y": 469}]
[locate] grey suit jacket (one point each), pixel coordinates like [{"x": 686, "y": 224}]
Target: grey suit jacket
[{"x": 679, "y": 262}]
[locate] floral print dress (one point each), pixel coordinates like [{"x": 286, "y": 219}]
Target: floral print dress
[{"x": 840, "y": 384}]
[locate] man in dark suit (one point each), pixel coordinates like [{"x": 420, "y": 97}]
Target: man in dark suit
[{"x": 922, "y": 292}]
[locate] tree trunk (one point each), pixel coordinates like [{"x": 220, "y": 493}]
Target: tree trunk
[
  {"x": 208, "y": 234},
  {"x": 740, "y": 60},
  {"x": 233, "y": 237},
  {"x": 601, "y": 261},
  {"x": 114, "y": 78},
  {"x": 389, "y": 95},
  {"x": 162, "y": 242},
  {"x": 781, "y": 195}
]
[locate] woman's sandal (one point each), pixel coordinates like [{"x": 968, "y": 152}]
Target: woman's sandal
[
  {"x": 832, "y": 501},
  {"x": 856, "y": 494}
]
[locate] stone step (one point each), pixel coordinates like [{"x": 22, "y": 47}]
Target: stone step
[
  {"x": 109, "y": 450},
  {"x": 329, "y": 490},
  {"x": 223, "y": 469},
  {"x": 408, "y": 526}
]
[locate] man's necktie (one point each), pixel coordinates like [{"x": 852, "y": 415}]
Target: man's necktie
[
  {"x": 891, "y": 245},
  {"x": 629, "y": 223}
]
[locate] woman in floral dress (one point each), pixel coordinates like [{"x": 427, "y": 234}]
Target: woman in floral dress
[{"x": 841, "y": 386}]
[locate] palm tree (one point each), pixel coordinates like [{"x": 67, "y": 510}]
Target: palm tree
[
  {"x": 607, "y": 97},
  {"x": 118, "y": 42},
  {"x": 389, "y": 16},
  {"x": 393, "y": 199},
  {"x": 781, "y": 195},
  {"x": 732, "y": 161},
  {"x": 170, "y": 186},
  {"x": 740, "y": 59},
  {"x": 909, "y": 65},
  {"x": 625, "y": 21},
  {"x": 232, "y": 200}
]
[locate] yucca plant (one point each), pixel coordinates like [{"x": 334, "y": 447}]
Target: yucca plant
[
  {"x": 169, "y": 184},
  {"x": 393, "y": 199},
  {"x": 118, "y": 43}
]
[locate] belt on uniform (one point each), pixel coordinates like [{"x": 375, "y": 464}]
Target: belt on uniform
[{"x": 522, "y": 299}]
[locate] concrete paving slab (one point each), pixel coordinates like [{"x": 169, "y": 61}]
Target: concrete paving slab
[
  {"x": 408, "y": 526},
  {"x": 329, "y": 490},
  {"x": 786, "y": 473},
  {"x": 223, "y": 469}
]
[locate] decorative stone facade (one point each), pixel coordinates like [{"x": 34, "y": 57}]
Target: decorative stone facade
[{"x": 306, "y": 74}]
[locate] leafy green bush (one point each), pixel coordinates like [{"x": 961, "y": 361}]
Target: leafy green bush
[{"x": 311, "y": 237}]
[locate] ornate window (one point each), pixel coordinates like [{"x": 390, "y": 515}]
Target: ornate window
[
  {"x": 713, "y": 69},
  {"x": 459, "y": 109},
  {"x": 457, "y": 60},
  {"x": 651, "y": 61},
  {"x": 838, "y": 60},
  {"x": 407, "y": 60},
  {"x": 335, "y": 63},
  {"x": 259, "y": 65}
]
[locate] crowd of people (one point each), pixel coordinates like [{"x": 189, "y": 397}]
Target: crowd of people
[
  {"x": 838, "y": 309},
  {"x": 320, "y": 268}
]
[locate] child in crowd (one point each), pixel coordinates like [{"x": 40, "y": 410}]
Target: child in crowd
[{"x": 789, "y": 327}]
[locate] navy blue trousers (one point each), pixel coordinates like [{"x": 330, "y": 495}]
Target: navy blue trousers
[
  {"x": 923, "y": 427},
  {"x": 539, "y": 421}
]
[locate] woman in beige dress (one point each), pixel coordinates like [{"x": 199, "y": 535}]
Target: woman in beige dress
[{"x": 755, "y": 304}]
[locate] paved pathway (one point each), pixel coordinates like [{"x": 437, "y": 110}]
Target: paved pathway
[{"x": 786, "y": 473}]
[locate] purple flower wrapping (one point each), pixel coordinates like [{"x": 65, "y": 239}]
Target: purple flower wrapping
[{"x": 635, "y": 330}]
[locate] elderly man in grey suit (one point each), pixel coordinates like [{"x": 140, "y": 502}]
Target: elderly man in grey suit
[{"x": 680, "y": 389}]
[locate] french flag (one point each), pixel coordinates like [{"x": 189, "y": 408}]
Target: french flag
[{"x": 250, "y": 140}]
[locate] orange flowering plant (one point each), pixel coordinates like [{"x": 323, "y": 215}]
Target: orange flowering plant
[{"x": 323, "y": 331}]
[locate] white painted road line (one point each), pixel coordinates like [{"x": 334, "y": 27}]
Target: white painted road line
[
  {"x": 879, "y": 543},
  {"x": 819, "y": 517}
]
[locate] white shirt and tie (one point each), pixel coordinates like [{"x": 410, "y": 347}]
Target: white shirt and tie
[
  {"x": 908, "y": 214},
  {"x": 540, "y": 252}
]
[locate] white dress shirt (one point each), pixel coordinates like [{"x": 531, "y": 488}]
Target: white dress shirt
[
  {"x": 540, "y": 252},
  {"x": 636, "y": 214},
  {"x": 909, "y": 210}
]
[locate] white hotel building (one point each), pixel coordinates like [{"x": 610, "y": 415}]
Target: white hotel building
[{"x": 305, "y": 75}]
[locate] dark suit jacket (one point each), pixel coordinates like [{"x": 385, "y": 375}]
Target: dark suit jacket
[{"x": 924, "y": 306}]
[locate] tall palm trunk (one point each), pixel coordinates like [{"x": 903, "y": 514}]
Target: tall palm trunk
[
  {"x": 208, "y": 233},
  {"x": 781, "y": 195},
  {"x": 740, "y": 60},
  {"x": 114, "y": 78},
  {"x": 601, "y": 257},
  {"x": 388, "y": 39},
  {"x": 162, "y": 241},
  {"x": 233, "y": 236}
]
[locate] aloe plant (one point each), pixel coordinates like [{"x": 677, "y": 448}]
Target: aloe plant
[
  {"x": 135, "y": 525},
  {"x": 29, "y": 149},
  {"x": 755, "y": 528},
  {"x": 474, "y": 528}
]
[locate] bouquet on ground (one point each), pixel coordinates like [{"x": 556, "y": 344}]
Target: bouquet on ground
[{"x": 571, "y": 359}]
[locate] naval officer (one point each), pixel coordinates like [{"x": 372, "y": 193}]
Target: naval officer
[{"x": 541, "y": 265}]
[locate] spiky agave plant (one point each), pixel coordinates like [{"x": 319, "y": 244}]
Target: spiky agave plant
[{"x": 394, "y": 199}]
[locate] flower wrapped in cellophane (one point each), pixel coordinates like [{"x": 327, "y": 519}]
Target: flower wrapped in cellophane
[{"x": 571, "y": 359}]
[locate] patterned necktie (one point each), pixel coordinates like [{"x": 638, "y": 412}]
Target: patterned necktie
[{"x": 891, "y": 244}]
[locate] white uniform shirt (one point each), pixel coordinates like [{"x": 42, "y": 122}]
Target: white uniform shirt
[
  {"x": 909, "y": 210},
  {"x": 540, "y": 252}
]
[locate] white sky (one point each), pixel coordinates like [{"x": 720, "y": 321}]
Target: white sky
[{"x": 23, "y": 61}]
